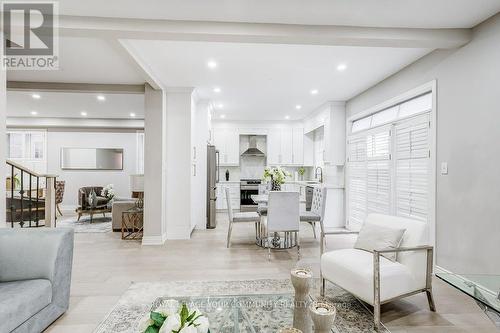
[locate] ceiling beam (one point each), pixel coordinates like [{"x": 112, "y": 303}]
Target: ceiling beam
[
  {"x": 125, "y": 28},
  {"x": 93, "y": 123},
  {"x": 76, "y": 87}
]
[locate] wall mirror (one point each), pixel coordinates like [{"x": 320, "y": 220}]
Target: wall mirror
[{"x": 91, "y": 158}]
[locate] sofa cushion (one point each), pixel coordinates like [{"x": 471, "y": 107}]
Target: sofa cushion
[
  {"x": 21, "y": 300},
  {"x": 376, "y": 237},
  {"x": 352, "y": 270}
]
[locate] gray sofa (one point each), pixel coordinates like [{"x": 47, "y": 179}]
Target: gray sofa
[{"x": 35, "y": 277}]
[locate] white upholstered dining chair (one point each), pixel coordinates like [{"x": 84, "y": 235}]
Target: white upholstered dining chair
[
  {"x": 282, "y": 216},
  {"x": 372, "y": 277},
  {"x": 240, "y": 217},
  {"x": 317, "y": 211}
]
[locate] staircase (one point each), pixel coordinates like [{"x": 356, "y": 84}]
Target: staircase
[{"x": 30, "y": 197}]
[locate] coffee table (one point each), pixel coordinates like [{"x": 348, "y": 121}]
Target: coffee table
[{"x": 246, "y": 313}]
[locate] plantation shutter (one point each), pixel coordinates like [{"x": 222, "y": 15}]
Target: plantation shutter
[
  {"x": 412, "y": 157},
  {"x": 378, "y": 184},
  {"x": 356, "y": 169}
]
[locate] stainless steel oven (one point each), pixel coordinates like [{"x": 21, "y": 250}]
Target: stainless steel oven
[{"x": 248, "y": 187}]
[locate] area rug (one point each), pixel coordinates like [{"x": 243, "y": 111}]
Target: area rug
[
  {"x": 352, "y": 315},
  {"x": 98, "y": 225}
]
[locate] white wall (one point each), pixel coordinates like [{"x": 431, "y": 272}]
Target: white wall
[
  {"x": 178, "y": 163},
  {"x": 200, "y": 135},
  {"x": 468, "y": 137},
  {"x": 59, "y": 138},
  {"x": 3, "y": 112}
]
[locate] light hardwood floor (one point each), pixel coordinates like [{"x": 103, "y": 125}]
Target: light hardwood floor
[{"x": 104, "y": 267}]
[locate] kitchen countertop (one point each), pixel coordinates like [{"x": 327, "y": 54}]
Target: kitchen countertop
[
  {"x": 309, "y": 183},
  {"x": 229, "y": 182}
]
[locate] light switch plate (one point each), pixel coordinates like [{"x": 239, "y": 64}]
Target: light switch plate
[{"x": 444, "y": 168}]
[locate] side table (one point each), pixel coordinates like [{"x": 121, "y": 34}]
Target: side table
[{"x": 132, "y": 223}]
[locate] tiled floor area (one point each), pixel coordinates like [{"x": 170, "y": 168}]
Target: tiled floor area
[{"x": 104, "y": 266}]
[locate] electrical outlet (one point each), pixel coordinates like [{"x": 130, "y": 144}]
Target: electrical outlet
[{"x": 444, "y": 168}]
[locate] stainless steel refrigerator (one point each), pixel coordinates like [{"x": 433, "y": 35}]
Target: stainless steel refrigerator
[{"x": 212, "y": 180}]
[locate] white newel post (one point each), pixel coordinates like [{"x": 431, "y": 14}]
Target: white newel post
[{"x": 50, "y": 202}]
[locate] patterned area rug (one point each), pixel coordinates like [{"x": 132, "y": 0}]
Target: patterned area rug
[
  {"x": 352, "y": 316},
  {"x": 99, "y": 224}
]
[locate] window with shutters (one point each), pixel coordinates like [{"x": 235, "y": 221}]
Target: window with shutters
[
  {"x": 388, "y": 165},
  {"x": 412, "y": 167}
]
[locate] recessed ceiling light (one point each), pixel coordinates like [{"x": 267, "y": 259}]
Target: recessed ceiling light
[
  {"x": 220, "y": 105},
  {"x": 314, "y": 91},
  {"x": 211, "y": 64},
  {"x": 34, "y": 113},
  {"x": 341, "y": 67},
  {"x": 36, "y": 96},
  {"x": 83, "y": 113},
  {"x": 132, "y": 114},
  {"x": 298, "y": 106},
  {"x": 101, "y": 97},
  {"x": 223, "y": 116},
  {"x": 287, "y": 117},
  {"x": 216, "y": 90}
]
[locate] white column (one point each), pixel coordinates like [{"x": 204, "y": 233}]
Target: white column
[
  {"x": 3, "y": 151},
  {"x": 154, "y": 166},
  {"x": 178, "y": 163}
]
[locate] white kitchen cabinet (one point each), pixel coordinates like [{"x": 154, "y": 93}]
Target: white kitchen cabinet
[
  {"x": 273, "y": 147},
  {"x": 298, "y": 146},
  {"x": 334, "y": 136},
  {"x": 285, "y": 146},
  {"x": 234, "y": 191},
  {"x": 227, "y": 141},
  {"x": 308, "y": 148}
]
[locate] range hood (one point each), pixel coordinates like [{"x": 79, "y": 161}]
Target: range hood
[{"x": 252, "y": 149}]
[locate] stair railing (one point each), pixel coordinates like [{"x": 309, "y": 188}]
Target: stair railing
[{"x": 25, "y": 207}]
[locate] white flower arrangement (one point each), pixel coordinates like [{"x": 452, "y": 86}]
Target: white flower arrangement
[
  {"x": 108, "y": 191},
  {"x": 173, "y": 317},
  {"x": 276, "y": 174}
]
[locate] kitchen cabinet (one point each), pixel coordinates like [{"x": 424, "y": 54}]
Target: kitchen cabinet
[
  {"x": 234, "y": 192},
  {"x": 298, "y": 146},
  {"x": 285, "y": 146},
  {"x": 227, "y": 141},
  {"x": 335, "y": 135}
]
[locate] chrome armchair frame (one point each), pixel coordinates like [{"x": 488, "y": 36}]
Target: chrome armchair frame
[{"x": 376, "y": 273}]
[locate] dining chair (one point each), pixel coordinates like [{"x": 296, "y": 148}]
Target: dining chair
[
  {"x": 283, "y": 216},
  {"x": 263, "y": 190},
  {"x": 317, "y": 211},
  {"x": 238, "y": 217}
]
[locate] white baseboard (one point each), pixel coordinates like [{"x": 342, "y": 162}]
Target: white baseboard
[{"x": 154, "y": 240}]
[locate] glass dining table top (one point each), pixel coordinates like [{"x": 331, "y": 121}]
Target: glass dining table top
[{"x": 484, "y": 288}]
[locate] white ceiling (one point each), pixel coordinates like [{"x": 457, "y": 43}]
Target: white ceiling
[
  {"x": 70, "y": 105},
  {"x": 85, "y": 60},
  {"x": 374, "y": 13},
  {"x": 266, "y": 82}
]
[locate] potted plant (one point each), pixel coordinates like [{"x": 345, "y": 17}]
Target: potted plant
[
  {"x": 276, "y": 176},
  {"x": 108, "y": 192},
  {"x": 301, "y": 172}
]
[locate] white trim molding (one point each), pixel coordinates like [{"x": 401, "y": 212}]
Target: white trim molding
[{"x": 154, "y": 240}]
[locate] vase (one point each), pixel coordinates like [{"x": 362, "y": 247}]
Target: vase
[
  {"x": 275, "y": 185},
  {"x": 301, "y": 280}
]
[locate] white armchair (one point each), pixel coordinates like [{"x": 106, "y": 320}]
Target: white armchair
[{"x": 375, "y": 279}]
